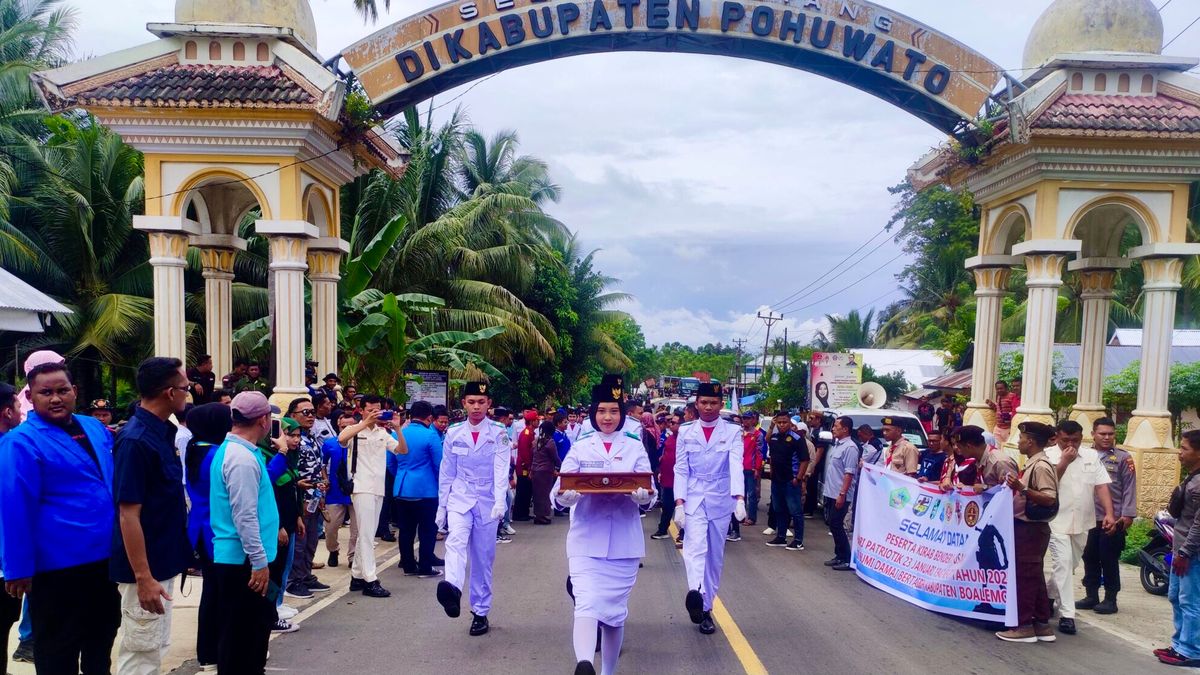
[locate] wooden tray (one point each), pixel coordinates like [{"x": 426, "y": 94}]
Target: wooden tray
[{"x": 605, "y": 483}]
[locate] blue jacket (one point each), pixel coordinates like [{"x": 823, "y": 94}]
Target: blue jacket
[
  {"x": 417, "y": 471},
  {"x": 58, "y": 508},
  {"x": 332, "y": 456},
  {"x": 199, "y": 523}
]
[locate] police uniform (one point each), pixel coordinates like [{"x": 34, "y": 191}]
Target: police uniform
[
  {"x": 605, "y": 542},
  {"x": 1102, "y": 553},
  {"x": 704, "y": 471},
  {"x": 472, "y": 485}
]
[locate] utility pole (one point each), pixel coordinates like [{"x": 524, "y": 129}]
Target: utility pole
[
  {"x": 770, "y": 319},
  {"x": 737, "y": 363}
]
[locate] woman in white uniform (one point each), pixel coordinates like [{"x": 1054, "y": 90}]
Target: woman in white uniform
[{"x": 605, "y": 543}]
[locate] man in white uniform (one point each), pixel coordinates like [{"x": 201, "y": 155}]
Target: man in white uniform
[
  {"x": 708, "y": 453},
  {"x": 368, "y": 443},
  {"x": 1082, "y": 481},
  {"x": 472, "y": 486}
]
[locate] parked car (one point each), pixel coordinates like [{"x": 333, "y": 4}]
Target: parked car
[{"x": 910, "y": 426}]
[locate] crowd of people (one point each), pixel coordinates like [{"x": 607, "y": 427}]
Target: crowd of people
[{"x": 101, "y": 520}]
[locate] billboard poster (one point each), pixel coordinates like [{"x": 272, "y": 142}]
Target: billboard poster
[
  {"x": 833, "y": 380},
  {"x": 949, "y": 552},
  {"x": 432, "y": 386}
]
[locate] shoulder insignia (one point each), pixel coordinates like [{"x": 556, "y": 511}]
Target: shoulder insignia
[
  {"x": 495, "y": 423},
  {"x": 587, "y": 434},
  {"x": 687, "y": 424},
  {"x": 633, "y": 435},
  {"x": 456, "y": 425}
]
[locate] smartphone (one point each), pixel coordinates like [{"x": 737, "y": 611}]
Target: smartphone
[
  {"x": 386, "y": 416},
  {"x": 275, "y": 429}
]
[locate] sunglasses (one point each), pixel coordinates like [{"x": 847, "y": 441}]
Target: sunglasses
[{"x": 307, "y": 412}]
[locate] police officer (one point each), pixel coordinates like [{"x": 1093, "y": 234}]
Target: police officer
[
  {"x": 472, "y": 490},
  {"x": 1102, "y": 553},
  {"x": 102, "y": 410},
  {"x": 708, "y": 489}
]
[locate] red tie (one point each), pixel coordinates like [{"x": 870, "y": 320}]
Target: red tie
[
  {"x": 475, "y": 437},
  {"x": 707, "y": 432},
  {"x": 608, "y": 447}
]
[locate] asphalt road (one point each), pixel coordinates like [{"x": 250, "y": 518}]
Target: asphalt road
[{"x": 796, "y": 615}]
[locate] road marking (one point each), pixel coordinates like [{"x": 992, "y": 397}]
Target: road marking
[
  {"x": 729, "y": 628},
  {"x": 333, "y": 597}
]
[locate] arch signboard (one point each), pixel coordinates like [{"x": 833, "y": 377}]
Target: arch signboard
[{"x": 861, "y": 44}]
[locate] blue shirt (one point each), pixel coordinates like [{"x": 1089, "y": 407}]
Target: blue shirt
[
  {"x": 244, "y": 516},
  {"x": 332, "y": 456},
  {"x": 562, "y": 444},
  {"x": 58, "y": 509},
  {"x": 417, "y": 470},
  {"x": 147, "y": 471},
  {"x": 199, "y": 524},
  {"x": 930, "y": 467}
]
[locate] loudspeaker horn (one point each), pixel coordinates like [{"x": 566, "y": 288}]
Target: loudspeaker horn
[{"x": 872, "y": 395}]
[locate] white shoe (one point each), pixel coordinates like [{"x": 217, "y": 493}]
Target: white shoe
[
  {"x": 208, "y": 668},
  {"x": 508, "y": 529},
  {"x": 769, "y": 531},
  {"x": 286, "y": 612},
  {"x": 791, "y": 533}
]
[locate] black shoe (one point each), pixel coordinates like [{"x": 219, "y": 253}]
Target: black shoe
[
  {"x": 479, "y": 625},
  {"x": 429, "y": 573},
  {"x": 317, "y": 587},
  {"x": 707, "y": 626},
  {"x": 449, "y": 598},
  {"x": 842, "y": 566},
  {"x": 585, "y": 668},
  {"x": 24, "y": 653},
  {"x": 408, "y": 571},
  {"x": 375, "y": 590},
  {"x": 795, "y": 545},
  {"x": 1108, "y": 605},
  {"x": 1066, "y": 626},
  {"x": 661, "y": 535},
  {"x": 1088, "y": 602},
  {"x": 694, "y": 602},
  {"x": 777, "y": 541},
  {"x": 357, "y": 585},
  {"x": 298, "y": 591},
  {"x": 333, "y": 559},
  {"x": 832, "y": 561},
  {"x": 389, "y": 537},
  {"x": 437, "y": 562}
]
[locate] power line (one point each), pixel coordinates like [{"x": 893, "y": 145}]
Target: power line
[
  {"x": 845, "y": 267},
  {"x": 1165, "y": 5},
  {"x": 848, "y": 287},
  {"x": 1180, "y": 34},
  {"x": 465, "y": 92},
  {"x": 864, "y": 244}
]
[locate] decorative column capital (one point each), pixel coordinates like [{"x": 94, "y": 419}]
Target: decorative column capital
[
  {"x": 168, "y": 249},
  {"x": 991, "y": 281},
  {"x": 1097, "y": 284},
  {"x": 324, "y": 265},
  {"x": 288, "y": 253},
  {"x": 1044, "y": 270},
  {"x": 1162, "y": 274},
  {"x": 217, "y": 263}
]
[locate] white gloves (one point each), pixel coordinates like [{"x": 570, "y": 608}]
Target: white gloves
[
  {"x": 498, "y": 510},
  {"x": 440, "y": 518},
  {"x": 567, "y": 498},
  {"x": 680, "y": 517},
  {"x": 641, "y": 496},
  {"x": 739, "y": 510}
]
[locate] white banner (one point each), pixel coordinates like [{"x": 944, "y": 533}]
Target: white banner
[{"x": 950, "y": 552}]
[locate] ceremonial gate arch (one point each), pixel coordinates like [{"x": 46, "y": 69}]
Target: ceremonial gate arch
[{"x": 872, "y": 48}]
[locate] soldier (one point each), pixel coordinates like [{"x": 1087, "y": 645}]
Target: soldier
[
  {"x": 1102, "y": 553},
  {"x": 708, "y": 489},
  {"x": 102, "y": 410},
  {"x": 605, "y": 543},
  {"x": 472, "y": 490}
]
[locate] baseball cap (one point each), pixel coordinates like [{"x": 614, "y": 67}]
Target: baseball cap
[{"x": 250, "y": 405}]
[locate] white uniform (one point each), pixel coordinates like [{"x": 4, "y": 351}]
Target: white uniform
[
  {"x": 606, "y": 541},
  {"x": 473, "y": 478},
  {"x": 1076, "y": 515},
  {"x": 631, "y": 426},
  {"x": 703, "y": 467}
]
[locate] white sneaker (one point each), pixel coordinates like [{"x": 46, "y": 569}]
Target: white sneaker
[
  {"x": 508, "y": 529},
  {"x": 791, "y": 533},
  {"x": 769, "y": 531},
  {"x": 287, "y": 612},
  {"x": 208, "y": 668}
]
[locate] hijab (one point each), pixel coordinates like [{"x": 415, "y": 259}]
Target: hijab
[{"x": 210, "y": 424}]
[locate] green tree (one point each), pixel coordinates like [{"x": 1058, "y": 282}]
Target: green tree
[{"x": 846, "y": 332}]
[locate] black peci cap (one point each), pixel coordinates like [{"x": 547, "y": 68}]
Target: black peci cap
[
  {"x": 709, "y": 389},
  {"x": 476, "y": 389}
]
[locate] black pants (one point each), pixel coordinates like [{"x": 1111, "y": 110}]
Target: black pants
[
  {"x": 10, "y": 611},
  {"x": 76, "y": 612},
  {"x": 836, "y": 518},
  {"x": 1102, "y": 558},
  {"x": 668, "y": 509},
  {"x": 416, "y": 519},
  {"x": 208, "y": 617},
  {"x": 524, "y": 499},
  {"x": 779, "y": 517},
  {"x": 246, "y": 620},
  {"x": 812, "y": 491}
]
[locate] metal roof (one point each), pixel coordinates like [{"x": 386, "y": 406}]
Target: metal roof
[
  {"x": 1116, "y": 358},
  {"x": 16, "y": 294},
  {"x": 1133, "y": 336}
]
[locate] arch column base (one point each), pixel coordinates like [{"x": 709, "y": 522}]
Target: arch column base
[
  {"x": 1019, "y": 418},
  {"x": 1086, "y": 414},
  {"x": 980, "y": 415},
  {"x": 1158, "y": 474}
]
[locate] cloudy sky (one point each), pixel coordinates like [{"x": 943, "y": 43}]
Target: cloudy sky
[{"x": 714, "y": 187}]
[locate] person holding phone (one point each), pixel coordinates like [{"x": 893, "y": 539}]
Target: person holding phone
[
  {"x": 245, "y": 524},
  {"x": 369, "y": 443}
]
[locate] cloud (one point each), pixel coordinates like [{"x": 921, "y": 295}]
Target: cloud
[{"x": 697, "y": 327}]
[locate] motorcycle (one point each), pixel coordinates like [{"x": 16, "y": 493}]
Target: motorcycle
[{"x": 1155, "y": 556}]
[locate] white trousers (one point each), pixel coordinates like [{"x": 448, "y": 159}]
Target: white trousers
[
  {"x": 1066, "y": 550},
  {"x": 470, "y": 531},
  {"x": 366, "y": 512},
  {"x": 145, "y": 636},
  {"x": 704, "y": 554}
]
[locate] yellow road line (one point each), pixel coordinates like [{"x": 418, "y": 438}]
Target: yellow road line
[{"x": 729, "y": 628}]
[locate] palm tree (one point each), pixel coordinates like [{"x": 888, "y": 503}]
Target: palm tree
[
  {"x": 849, "y": 332},
  {"x": 34, "y": 35},
  {"x": 369, "y": 9}
]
